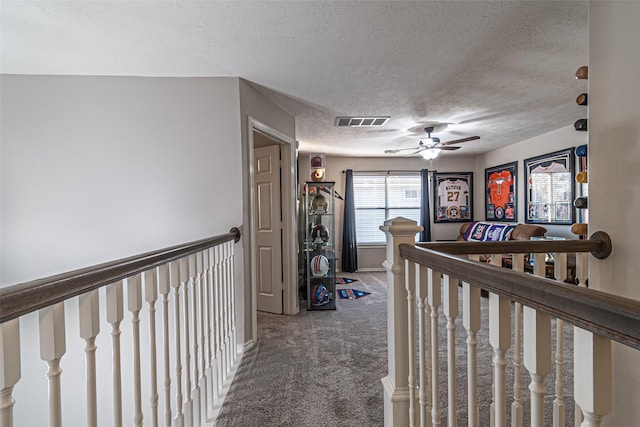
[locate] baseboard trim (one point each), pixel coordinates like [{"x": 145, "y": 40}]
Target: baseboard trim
[
  {"x": 363, "y": 270},
  {"x": 213, "y": 417}
]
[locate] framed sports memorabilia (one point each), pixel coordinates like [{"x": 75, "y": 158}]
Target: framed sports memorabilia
[
  {"x": 453, "y": 196},
  {"x": 500, "y": 190},
  {"x": 549, "y": 184}
]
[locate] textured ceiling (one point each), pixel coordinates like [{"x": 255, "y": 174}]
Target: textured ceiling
[{"x": 503, "y": 70}]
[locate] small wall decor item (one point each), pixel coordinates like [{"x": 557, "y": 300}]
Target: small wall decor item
[
  {"x": 549, "y": 183},
  {"x": 453, "y": 196},
  {"x": 317, "y": 175},
  {"x": 580, "y": 125},
  {"x": 582, "y": 73},
  {"x": 500, "y": 190},
  {"x": 317, "y": 166},
  {"x": 582, "y": 99}
]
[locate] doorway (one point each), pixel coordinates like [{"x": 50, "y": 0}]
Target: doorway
[
  {"x": 269, "y": 223},
  {"x": 273, "y": 221}
]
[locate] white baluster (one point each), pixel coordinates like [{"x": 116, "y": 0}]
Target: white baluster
[
  {"x": 471, "y": 322},
  {"x": 134, "y": 305},
  {"x": 194, "y": 273},
  {"x": 9, "y": 368},
  {"x": 52, "y": 348},
  {"x": 221, "y": 296},
  {"x": 537, "y": 349},
  {"x": 582, "y": 272},
  {"x": 410, "y": 281},
  {"x": 115, "y": 314},
  {"x": 500, "y": 340},
  {"x": 560, "y": 266},
  {"x": 231, "y": 346},
  {"x": 218, "y": 319},
  {"x": 450, "y": 309},
  {"x": 176, "y": 284},
  {"x": 420, "y": 283},
  {"x": 560, "y": 273},
  {"x": 211, "y": 371},
  {"x": 582, "y": 275},
  {"x": 225, "y": 299},
  {"x": 539, "y": 265},
  {"x": 582, "y": 268},
  {"x": 221, "y": 273},
  {"x": 234, "y": 332},
  {"x": 185, "y": 278},
  {"x": 151, "y": 296},
  {"x": 164, "y": 279},
  {"x": 89, "y": 310},
  {"x": 517, "y": 415},
  {"x": 495, "y": 259},
  {"x": 202, "y": 356},
  {"x": 537, "y": 359},
  {"x": 592, "y": 375},
  {"x": 435, "y": 299}
]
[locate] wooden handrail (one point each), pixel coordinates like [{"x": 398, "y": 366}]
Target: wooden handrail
[
  {"x": 599, "y": 244},
  {"x": 24, "y": 298},
  {"x": 599, "y": 312}
]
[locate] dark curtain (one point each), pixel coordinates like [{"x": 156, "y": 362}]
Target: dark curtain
[
  {"x": 425, "y": 215},
  {"x": 349, "y": 244}
]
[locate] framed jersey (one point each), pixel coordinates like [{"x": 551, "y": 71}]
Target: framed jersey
[
  {"x": 453, "y": 196},
  {"x": 549, "y": 188},
  {"x": 501, "y": 201}
]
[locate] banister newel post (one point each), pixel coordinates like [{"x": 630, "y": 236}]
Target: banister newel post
[{"x": 396, "y": 389}]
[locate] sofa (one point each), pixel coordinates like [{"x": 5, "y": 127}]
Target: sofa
[
  {"x": 479, "y": 231},
  {"x": 495, "y": 231}
]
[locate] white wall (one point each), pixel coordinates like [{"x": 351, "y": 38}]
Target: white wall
[
  {"x": 614, "y": 173},
  {"x": 549, "y": 142},
  {"x": 98, "y": 168},
  {"x": 256, "y": 106},
  {"x": 372, "y": 257}
]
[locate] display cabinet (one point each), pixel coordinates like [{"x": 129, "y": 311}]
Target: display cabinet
[{"x": 319, "y": 246}]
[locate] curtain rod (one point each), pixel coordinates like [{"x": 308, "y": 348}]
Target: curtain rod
[{"x": 390, "y": 171}]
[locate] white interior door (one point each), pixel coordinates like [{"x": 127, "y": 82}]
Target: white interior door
[{"x": 268, "y": 229}]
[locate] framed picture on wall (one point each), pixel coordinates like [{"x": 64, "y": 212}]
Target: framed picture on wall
[
  {"x": 549, "y": 184},
  {"x": 453, "y": 196},
  {"x": 501, "y": 193}
]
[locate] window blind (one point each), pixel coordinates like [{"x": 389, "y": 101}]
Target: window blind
[{"x": 379, "y": 197}]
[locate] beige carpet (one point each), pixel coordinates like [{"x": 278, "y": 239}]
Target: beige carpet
[
  {"x": 318, "y": 368},
  {"x": 323, "y": 368}
]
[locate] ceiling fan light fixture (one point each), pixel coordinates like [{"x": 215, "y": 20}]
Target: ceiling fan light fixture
[{"x": 430, "y": 153}]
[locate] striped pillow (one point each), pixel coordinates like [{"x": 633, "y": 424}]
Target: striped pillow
[{"x": 487, "y": 232}]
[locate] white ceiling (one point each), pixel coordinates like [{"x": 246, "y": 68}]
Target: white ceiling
[{"x": 503, "y": 70}]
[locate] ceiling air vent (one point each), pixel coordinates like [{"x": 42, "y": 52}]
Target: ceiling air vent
[{"x": 361, "y": 121}]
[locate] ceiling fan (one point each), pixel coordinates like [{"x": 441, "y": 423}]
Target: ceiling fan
[{"x": 430, "y": 147}]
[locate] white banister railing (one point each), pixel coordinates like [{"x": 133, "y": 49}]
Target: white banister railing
[
  {"x": 525, "y": 317},
  {"x": 169, "y": 352}
]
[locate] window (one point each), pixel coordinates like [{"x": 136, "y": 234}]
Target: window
[{"x": 378, "y": 197}]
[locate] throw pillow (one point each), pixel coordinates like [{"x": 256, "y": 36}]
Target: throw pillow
[{"x": 486, "y": 232}]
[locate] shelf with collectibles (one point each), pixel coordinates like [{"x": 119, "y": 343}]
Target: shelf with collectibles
[{"x": 319, "y": 246}]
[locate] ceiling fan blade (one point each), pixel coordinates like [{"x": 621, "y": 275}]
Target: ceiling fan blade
[
  {"x": 457, "y": 141},
  {"x": 397, "y": 150},
  {"x": 445, "y": 148},
  {"x": 415, "y": 152}
]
